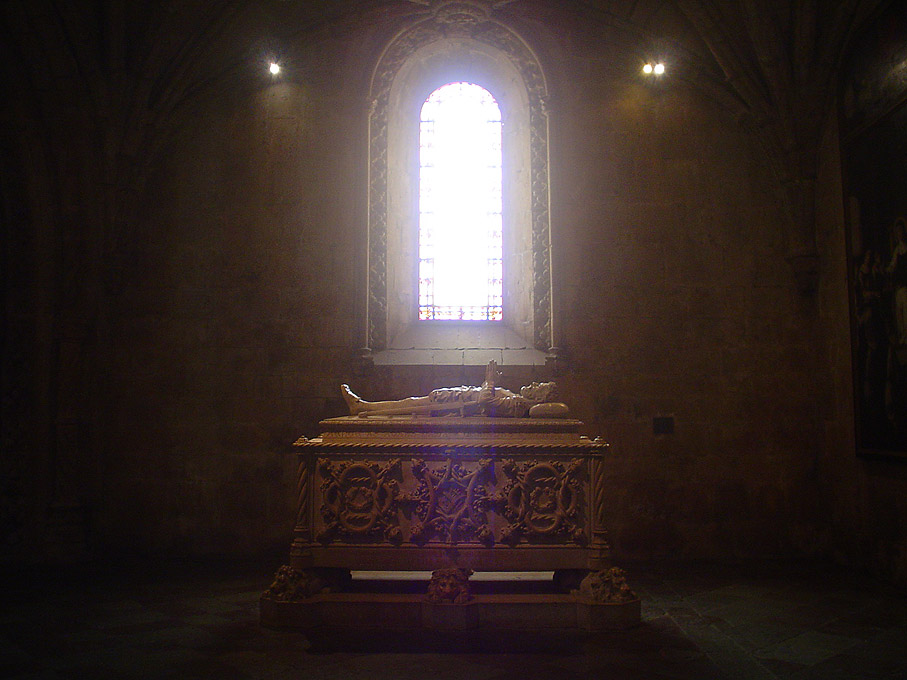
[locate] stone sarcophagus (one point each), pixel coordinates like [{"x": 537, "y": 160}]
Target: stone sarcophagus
[
  {"x": 422, "y": 493},
  {"x": 462, "y": 480}
]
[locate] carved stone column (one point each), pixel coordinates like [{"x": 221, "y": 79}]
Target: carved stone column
[
  {"x": 598, "y": 509},
  {"x": 302, "y": 531}
]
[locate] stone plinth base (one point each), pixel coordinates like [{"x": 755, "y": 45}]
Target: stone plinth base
[
  {"x": 364, "y": 611},
  {"x": 608, "y": 615}
]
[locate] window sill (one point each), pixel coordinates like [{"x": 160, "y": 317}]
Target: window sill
[
  {"x": 459, "y": 344},
  {"x": 459, "y": 357}
]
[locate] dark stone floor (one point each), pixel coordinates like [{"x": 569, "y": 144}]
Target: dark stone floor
[{"x": 699, "y": 621}]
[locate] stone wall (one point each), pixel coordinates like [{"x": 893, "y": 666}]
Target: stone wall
[
  {"x": 677, "y": 302},
  {"x": 236, "y": 322}
]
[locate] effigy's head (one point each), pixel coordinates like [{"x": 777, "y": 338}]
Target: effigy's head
[{"x": 539, "y": 392}]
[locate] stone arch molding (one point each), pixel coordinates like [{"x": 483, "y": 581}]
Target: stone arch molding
[{"x": 452, "y": 22}]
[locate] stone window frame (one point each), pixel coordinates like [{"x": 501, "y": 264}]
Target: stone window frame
[{"x": 459, "y": 24}]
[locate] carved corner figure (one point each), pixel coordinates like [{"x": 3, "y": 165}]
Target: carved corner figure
[
  {"x": 534, "y": 401},
  {"x": 292, "y": 585},
  {"x": 449, "y": 586},
  {"x": 606, "y": 586}
]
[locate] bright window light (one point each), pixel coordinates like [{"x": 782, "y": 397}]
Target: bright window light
[{"x": 460, "y": 245}]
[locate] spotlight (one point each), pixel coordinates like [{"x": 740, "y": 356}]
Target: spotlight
[
  {"x": 274, "y": 68},
  {"x": 653, "y": 69}
]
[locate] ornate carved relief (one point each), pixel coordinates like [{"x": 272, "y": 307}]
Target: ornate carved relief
[
  {"x": 606, "y": 586},
  {"x": 292, "y": 585},
  {"x": 467, "y": 20},
  {"x": 359, "y": 499},
  {"x": 295, "y": 585},
  {"x": 597, "y": 488},
  {"x": 451, "y": 502},
  {"x": 302, "y": 498},
  {"x": 449, "y": 586},
  {"x": 543, "y": 500}
]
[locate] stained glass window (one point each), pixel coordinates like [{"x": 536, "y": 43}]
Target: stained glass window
[{"x": 460, "y": 244}]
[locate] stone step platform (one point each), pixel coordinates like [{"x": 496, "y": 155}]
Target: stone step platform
[{"x": 397, "y": 604}]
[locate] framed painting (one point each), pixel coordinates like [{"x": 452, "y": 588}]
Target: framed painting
[{"x": 873, "y": 118}]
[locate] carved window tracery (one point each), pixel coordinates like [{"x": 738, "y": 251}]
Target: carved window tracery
[{"x": 470, "y": 28}]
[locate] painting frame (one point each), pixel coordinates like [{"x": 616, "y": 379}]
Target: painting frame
[{"x": 873, "y": 126}]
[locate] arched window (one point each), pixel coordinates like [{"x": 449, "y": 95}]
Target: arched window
[
  {"x": 406, "y": 321},
  {"x": 460, "y": 205}
]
